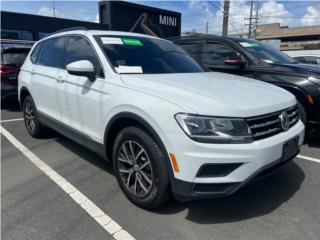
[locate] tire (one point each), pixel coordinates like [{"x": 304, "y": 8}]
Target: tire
[
  {"x": 31, "y": 120},
  {"x": 302, "y": 113},
  {"x": 148, "y": 183}
]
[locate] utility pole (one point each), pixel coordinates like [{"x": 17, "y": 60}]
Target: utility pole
[
  {"x": 53, "y": 9},
  {"x": 225, "y": 17},
  {"x": 256, "y": 19},
  {"x": 250, "y": 20},
  {"x": 207, "y": 27}
]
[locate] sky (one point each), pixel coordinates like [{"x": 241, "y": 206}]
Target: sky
[{"x": 195, "y": 13}]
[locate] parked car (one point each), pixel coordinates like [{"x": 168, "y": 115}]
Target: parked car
[
  {"x": 260, "y": 61},
  {"x": 305, "y": 56},
  {"x": 12, "y": 57},
  {"x": 168, "y": 126}
]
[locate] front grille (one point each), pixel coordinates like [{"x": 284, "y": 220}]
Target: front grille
[{"x": 269, "y": 125}]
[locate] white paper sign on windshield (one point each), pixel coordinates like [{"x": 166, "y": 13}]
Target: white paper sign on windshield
[
  {"x": 245, "y": 44},
  {"x": 111, "y": 40},
  {"x": 129, "y": 69}
]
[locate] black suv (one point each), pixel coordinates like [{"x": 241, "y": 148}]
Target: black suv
[
  {"x": 260, "y": 61},
  {"x": 12, "y": 58}
]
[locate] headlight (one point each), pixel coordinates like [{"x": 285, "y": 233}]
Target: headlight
[{"x": 214, "y": 129}]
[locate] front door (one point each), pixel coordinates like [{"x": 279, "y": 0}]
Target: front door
[{"x": 214, "y": 56}]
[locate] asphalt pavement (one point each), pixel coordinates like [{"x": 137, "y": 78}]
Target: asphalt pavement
[{"x": 285, "y": 205}]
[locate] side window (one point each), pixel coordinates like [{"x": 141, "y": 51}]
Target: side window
[
  {"x": 312, "y": 60},
  {"x": 300, "y": 59},
  {"x": 216, "y": 53},
  {"x": 194, "y": 49},
  {"x": 52, "y": 52},
  {"x": 78, "y": 48},
  {"x": 35, "y": 53}
]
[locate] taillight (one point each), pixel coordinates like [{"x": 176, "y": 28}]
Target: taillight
[{"x": 5, "y": 70}]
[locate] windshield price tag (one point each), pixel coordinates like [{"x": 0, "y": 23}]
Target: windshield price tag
[
  {"x": 110, "y": 40},
  {"x": 128, "y": 69},
  {"x": 247, "y": 44}
]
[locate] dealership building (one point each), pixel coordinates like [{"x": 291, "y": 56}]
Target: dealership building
[
  {"x": 290, "y": 38},
  {"x": 113, "y": 15}
]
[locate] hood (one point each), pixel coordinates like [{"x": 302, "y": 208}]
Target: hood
[
  {"x": 304, "y": 69},
  {"x": 212, "y": 93}
]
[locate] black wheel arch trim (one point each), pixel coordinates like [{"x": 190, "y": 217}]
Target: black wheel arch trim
[
  {"x": 302, "y": 98},
  {"x": 23, "y": 89},
  {"x": 154, "y": 134}
]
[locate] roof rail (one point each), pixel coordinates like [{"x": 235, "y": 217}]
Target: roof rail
[
  {"x": 4, "y": 40},
  {"x": 68, "y": 29}
]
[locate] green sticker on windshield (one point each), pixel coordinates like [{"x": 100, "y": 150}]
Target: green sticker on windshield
[
  {"x": 254, "y": 44},
  {"x": 132, "y": 42}
]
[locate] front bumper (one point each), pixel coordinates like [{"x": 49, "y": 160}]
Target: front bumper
[
  {"x": 314, "y": 113},
  {"x": 187, "y": 190},
  {"x": 8, "y": 91},
  {"x": 251, "y": 161}
]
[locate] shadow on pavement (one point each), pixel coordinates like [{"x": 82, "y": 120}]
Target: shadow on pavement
[
  {"x": 314, "y": 140},
  {"x": 85, "y": 153},
  {"x": 256, "y": 199},
  {"x": 11, "y": 105}
]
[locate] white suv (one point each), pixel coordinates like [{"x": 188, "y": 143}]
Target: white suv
[{"x": 168, "y": 126}]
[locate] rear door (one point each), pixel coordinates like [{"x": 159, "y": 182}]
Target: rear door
[
  {"x": 79, "y": 97},
  {"x": 193, "y": 48},
  {"x": 45, "y": 76}
]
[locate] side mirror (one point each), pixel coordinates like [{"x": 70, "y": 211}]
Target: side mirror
[
  {"x": 82, "y": 68},
  {"x": 234, "y": 62}
]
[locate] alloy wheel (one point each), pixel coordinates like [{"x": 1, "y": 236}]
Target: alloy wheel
[
  {"x": 135, "y": 168},
  {"x": 29, "y": 116}
]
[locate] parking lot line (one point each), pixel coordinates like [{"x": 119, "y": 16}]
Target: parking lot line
[
  {"x": 309, "y": 158},
  {"x": 11, "y": 120},
  {"x": 112, "y": 227}
]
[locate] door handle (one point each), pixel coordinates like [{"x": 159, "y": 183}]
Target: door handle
[{"x": 60, "y": 79}]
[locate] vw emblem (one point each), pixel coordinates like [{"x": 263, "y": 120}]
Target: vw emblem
[{"x": 284, "y": 121}]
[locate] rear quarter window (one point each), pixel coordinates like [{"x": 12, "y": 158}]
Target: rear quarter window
[{"x": 35, "y": 53}]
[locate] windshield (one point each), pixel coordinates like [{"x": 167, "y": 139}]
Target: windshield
[
  {"x": 146, "y": 55},
  {"x": 264, "y": 51}
]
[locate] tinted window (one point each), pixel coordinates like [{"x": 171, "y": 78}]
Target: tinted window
[
  {"x": 35, "y": 53},
  {"x": 79, "y": 48},
  {"x": 194, "y": 49},
  {"x": 264, "y": 51},
  {"x": 14, "y": 57},
  {"x": 151, "y": 55},
  {"x": 216, "y": 53},
  {"x": 308, "y": 59},
  {"x": 52, "y": 52}
]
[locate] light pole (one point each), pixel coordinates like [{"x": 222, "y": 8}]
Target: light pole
[{"x": 53, "y": 9}]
